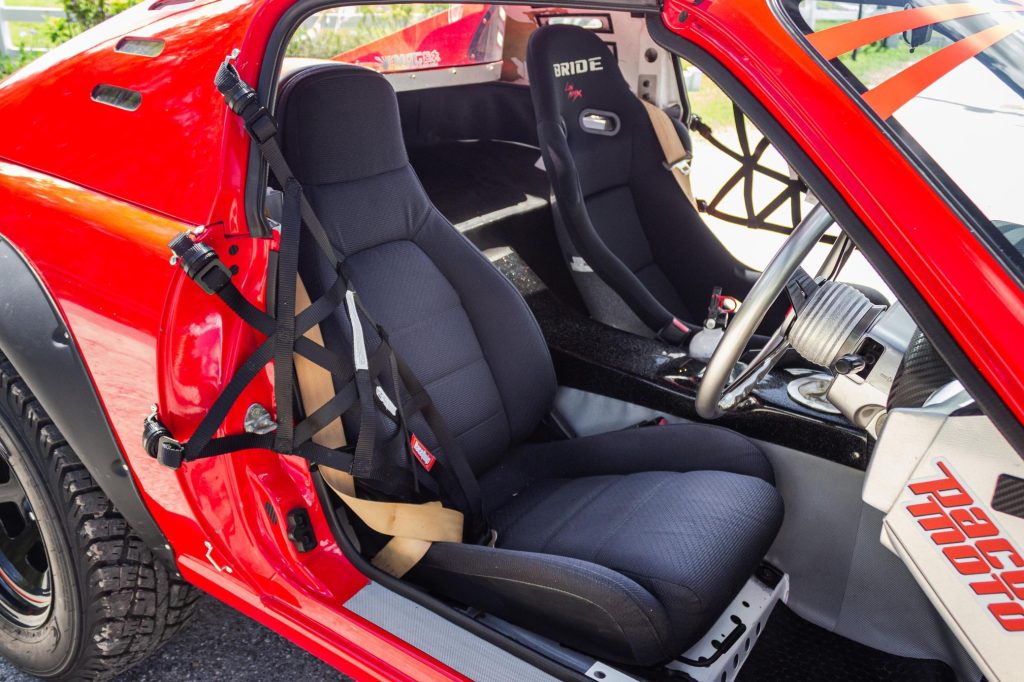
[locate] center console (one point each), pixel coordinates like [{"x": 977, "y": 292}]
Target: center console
[{"x": 594, "y": 357}]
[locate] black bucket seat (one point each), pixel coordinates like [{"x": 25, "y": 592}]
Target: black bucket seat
[
  {"x": 626, "y": 545},
  {"x": 639, "y": 252}
]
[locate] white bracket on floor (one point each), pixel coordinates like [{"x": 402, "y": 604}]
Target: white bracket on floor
[{"x": 750, "y": 609}]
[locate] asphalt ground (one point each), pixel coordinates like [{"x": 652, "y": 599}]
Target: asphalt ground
[{"x": 220, "y": 644}]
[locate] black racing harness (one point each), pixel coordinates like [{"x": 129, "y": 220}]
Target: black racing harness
[{"x": 373, "y": 383}]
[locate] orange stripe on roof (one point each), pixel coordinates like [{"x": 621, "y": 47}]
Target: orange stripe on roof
[
  {"x": 843, "y": 38},
  {"x": 893, "y": 93}
]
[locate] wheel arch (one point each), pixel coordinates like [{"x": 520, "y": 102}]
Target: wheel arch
[{"x": 37, "y": 342}]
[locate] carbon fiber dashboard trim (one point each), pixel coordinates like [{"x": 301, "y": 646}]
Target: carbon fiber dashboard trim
[{"x": 1009, "y": 495}]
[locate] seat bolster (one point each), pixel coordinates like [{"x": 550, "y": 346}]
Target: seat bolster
[
  {"x": 676, "y": 447},
  {"x": 523, "y": 372},
  {"x": 577, "y": 603}
]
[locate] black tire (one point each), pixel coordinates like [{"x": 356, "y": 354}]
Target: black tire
[{"x": 113, "y": 603}]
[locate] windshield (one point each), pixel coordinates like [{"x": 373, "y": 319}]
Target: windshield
[{"x": 948, "y": 78}]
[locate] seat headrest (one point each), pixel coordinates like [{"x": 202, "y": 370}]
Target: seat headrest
[
  {"x": 571, "y": 69},
  {"x": 340, "y": 123}
]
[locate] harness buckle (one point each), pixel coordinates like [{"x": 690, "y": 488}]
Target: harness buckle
[{"x": 675, "y": 332}]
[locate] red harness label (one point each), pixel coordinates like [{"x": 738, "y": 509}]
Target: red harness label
[
  {"x": 425, "y": 457},
  {"x": 973, "y": 544}
]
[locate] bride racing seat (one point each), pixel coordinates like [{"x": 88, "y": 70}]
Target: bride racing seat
[
  {"x": 626, "y": 545},
  {"x": 639, "y": 252}
]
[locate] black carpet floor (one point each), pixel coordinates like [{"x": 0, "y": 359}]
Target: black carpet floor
[{"x": 795, "y": 650}]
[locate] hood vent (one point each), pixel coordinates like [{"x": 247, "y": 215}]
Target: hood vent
[
  {"x": 122, "y": 98},
  {"x": 144, "y": 47}
]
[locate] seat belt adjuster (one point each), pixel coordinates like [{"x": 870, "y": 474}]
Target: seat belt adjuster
[
  {"x": 244, "y": 101},
  {"x": 170, "y": 453},
  {"x": 200, "y": 263},
  {"x": 260, "y": 123},
  {"x": 682, "y": 165}
]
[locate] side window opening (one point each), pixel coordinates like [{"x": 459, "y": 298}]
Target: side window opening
[
  {"x": 751, "y": 195},
  {"x": 403, "y": 37},
  {"x": 743, "y": 180},
  {"x": 871, "y": 64}
]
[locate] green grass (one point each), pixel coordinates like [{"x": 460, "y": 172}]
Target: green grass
[
  {"x": 322, "y": 45},
  {"x": 875, "y": 64},
  {"x": 376, "y": 21},
  {"x": 26, "y": 34},
  {"x": 712, "y": 105}
]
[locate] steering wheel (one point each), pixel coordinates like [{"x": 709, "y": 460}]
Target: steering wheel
[{"x": 716, "y": 393}]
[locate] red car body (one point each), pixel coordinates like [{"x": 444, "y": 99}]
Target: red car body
[{"x": 90, "y": 195}]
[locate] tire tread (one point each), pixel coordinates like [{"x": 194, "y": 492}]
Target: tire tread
[{"x": 133, "y": 603}]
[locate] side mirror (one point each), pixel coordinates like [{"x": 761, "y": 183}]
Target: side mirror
[{"x": 917, "y": 37}]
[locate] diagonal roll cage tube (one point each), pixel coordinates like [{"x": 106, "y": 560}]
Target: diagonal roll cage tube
[{"x": 750, "y": 166}]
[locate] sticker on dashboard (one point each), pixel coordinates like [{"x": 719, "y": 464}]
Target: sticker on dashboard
[{"x": 973, "y": 544}]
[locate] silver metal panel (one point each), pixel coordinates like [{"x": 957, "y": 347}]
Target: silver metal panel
[
  {"x": 841, "y": 577},
  {"x": 863, "y": 401},
  {"x": 448, "y": 643},
  {"x": 601, "y": 671},
  {"x": 962, "y": 463}
]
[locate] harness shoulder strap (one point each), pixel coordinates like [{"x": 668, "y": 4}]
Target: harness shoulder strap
[
  {"x": 677, "y": 159},
  {"x": 413, "y": 527}
]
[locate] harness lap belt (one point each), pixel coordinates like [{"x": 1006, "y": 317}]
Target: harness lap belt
[
  {"x": 677, "y": 159},
  {"x": 386, "y": 468}
]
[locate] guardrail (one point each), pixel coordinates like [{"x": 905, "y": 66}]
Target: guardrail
[{"x": 33, "y": 15}]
